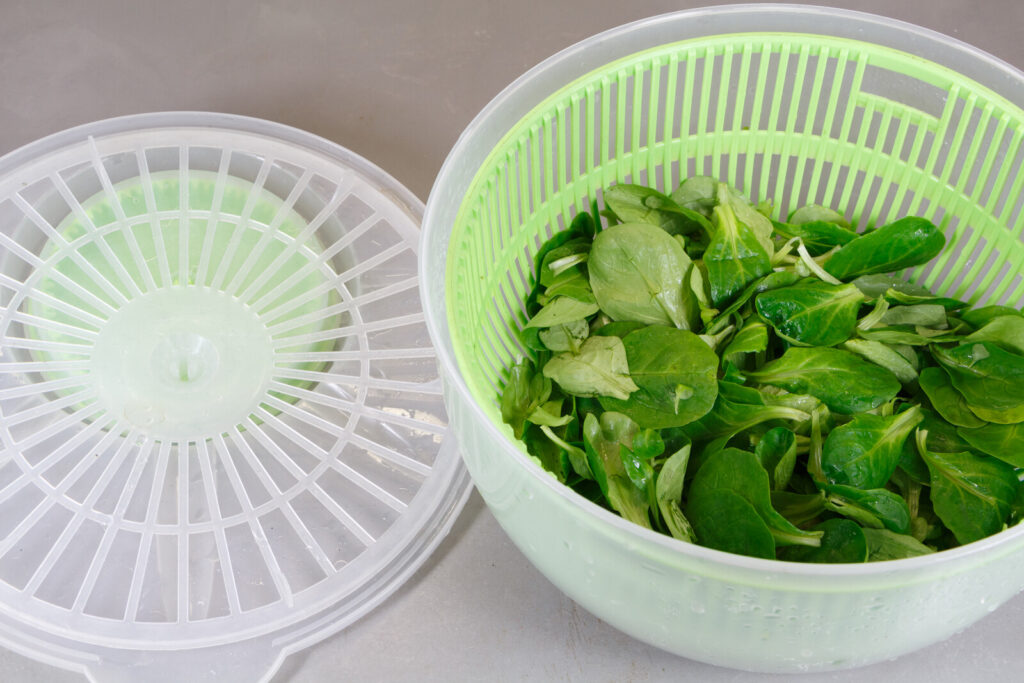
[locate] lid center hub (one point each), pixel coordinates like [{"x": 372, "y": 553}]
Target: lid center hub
[
  {"x": 183, "y": 363},
  {"x": 185, "y": 360}
]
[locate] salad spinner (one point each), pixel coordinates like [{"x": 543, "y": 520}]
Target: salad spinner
[{"x": 872, "y": 117}]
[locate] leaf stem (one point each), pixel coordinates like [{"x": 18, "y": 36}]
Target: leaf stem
[
  {"x": 814, "y": 465},
  {"x": 812, "y": 265},
  {"x": 875, "y": 316},
  {"x": 812, "y": 539}
]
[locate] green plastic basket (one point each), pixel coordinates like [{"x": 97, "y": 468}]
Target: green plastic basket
[{"x": 792, "y": 104}]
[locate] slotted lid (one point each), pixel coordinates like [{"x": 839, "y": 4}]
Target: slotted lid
[{"x": 222, "y": 426}]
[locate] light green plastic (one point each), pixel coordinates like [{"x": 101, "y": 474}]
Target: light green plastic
[{"x": 833, "y": 111}]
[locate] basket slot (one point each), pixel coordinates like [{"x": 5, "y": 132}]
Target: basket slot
[
  {"x": 340, "y": 544},
  {"x": 207, "y": 251},
  {"x": 98, "y": 592},
  {"x": 121, "y": 166},
  {"x": 1015, "y": 295},
  {"x": 207, "y": 596},
  {"x": 61, "y": 575},
  {"x": 46, "y": 522},
  {"x": 999, "y": 146},
  {"x": 887, "y": 82},
  {"x": 17, "y": 503},
  {"x": 108, "y": 596},
  {"x": 257, "y": 579},
  {"x": 291, "y": 543},
  {"x": 966, "y": 169},
  {"x": 96, "y": 288},
  {"x": 388, "y": 468},
  {"x": 155, "y": 229}
]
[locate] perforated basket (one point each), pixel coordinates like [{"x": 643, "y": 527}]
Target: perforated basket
[{"x": 872, "y": 117}]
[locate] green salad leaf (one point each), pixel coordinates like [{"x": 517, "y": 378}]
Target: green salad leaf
[
  {"x": 946, "y": 400},
  {"x": 741, "y": 472},
  {"x": 886, "y": 545},
  {"x": 675, "y": 374},
  {"x": 734, "y": 257},
  {"x": 637, "y": 273},
  {"x": 1005, "y": 442},
  {"x": 865, "y": 451},
  {"x": 971, "y": 494},
  {"x": 842, "y": 542},
  {"x": 843, "y": 381},
  {"x": 766, "y": 386},
  {"x": 724, "y": 520},
  {"x": 599, "y": 369},
  {"x": 910, "y": 241},
  {"x": 989, "y": 378},
  {"x": 812, "y": 312}
]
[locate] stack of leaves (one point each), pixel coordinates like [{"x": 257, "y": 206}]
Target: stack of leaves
[{"x": 768, "y": 388}]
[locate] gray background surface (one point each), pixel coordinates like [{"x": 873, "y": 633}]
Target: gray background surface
[{"x": 397, "y": 81}]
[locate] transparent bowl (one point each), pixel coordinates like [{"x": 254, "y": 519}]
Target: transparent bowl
[{"x": 874, "y": 117}]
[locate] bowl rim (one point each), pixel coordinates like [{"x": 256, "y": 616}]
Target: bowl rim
[{"x": 854, "y": 23}]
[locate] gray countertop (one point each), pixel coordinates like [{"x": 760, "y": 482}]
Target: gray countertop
[{"x": 397, "y": 81}]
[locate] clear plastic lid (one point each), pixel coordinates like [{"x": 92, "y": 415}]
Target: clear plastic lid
[{"x": 222, "y": 426}]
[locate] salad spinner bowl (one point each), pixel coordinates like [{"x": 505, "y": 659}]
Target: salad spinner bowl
[{"x": 872, "y": 117}]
